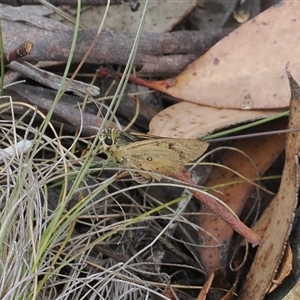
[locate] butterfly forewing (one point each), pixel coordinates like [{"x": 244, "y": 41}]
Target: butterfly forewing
[
  {"x": 149, "y": 157},
  {"x": 188, "y": 150}
]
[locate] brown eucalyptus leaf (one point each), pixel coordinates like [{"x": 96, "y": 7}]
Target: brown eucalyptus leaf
[
  {"x": 262, "y": 151},
  {"x": 245, "y": 70},
  {"x": 279, "y": 222},
  {"x": 285, "y": 268},
  {"x": 189, "y": 120}
]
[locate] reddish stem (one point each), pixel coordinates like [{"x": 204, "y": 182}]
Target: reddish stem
[{"x": 220, "y": 210}]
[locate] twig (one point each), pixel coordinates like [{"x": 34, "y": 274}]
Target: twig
[
  {"x": 52, "y": 80},
  {"x": 21, "y": 51},
  {"x": 220, "y": 210}
]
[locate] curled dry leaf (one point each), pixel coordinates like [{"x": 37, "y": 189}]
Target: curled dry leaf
[
  {"x": 279, "y": 221},
  {"x": 199, "y": 120},
  {"x": 206, "y": 287},
  {"x": 262, "y": 151},
  {"x": 233, "y": 72},
  {"x": 284, "y": 269}
]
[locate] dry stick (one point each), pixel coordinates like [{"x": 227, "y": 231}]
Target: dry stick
[
  {"x": 159, "y": 53},
  {"x": 21, "y": 51},
  {"x": 64, "y": 111},
  {"x": 222, "y": 211},
  {"x": 52, "y": 80}
]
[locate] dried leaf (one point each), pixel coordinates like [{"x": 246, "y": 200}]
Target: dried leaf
[
  {"x": 262, "y": 152},
  {"x": 269, "y": 254},
  {"x": 199, "y": 120},
  {"x": 233, "y": 73},
  {"x": 284, "y": 270}
]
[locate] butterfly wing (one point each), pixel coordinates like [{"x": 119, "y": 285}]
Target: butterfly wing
[
  {"x": 148, "y": 157},
  {"x": 153, "y": 154},
  {"x": 142, "y": 177},
  {"x": 188, "y": 150}
]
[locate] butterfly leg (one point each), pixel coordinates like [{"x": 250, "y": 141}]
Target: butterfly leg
[{"x": 141, "y": 178}]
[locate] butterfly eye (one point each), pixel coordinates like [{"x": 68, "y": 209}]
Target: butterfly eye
[{"x": 108, "y": 141}]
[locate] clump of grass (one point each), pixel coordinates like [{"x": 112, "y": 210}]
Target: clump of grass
[{"x": 68, "y": 230}]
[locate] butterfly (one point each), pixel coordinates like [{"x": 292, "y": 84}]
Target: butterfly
[{"x": 144, "y": 152}]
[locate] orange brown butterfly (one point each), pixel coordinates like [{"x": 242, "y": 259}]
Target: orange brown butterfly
[{"x": 144, "y": 152}]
